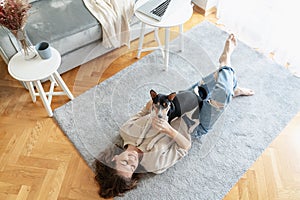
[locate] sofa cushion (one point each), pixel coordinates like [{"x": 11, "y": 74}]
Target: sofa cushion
[{"x": 67, "y": 25}]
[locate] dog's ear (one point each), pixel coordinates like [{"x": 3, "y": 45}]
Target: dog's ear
[
  {"x": 171, "y": 96},
  {"x": 153, "y": 94}
]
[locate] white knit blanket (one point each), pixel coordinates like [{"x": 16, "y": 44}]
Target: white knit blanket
[{"x": 114, "y": 16}]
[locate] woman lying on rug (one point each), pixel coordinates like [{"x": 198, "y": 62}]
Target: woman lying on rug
[{"x": 119, "y": 168}]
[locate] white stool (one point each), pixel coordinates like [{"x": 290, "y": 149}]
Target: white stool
[
  {"x": 177, "y": 13},
  {"x": 31, "y": 72}
]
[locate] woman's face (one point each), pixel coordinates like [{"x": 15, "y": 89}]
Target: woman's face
[{"x": 126, "y": 162}]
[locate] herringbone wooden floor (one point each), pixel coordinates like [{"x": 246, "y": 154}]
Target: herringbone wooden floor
[{"x": 38, "y": 162}]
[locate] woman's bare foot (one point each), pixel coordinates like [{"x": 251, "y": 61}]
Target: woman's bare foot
[
  {"x": 230, "y": 45},
  {"x": 243, "y": 92}
]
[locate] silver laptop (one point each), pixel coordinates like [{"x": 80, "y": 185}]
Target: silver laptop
[{"x": 154, "y": 8}]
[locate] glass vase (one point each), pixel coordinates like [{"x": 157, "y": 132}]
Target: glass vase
[{"x": 27, "y": 50}]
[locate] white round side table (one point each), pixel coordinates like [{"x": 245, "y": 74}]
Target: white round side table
[
  {"x": 31, "y": 72},
  {"x": 177, "y": 13}
]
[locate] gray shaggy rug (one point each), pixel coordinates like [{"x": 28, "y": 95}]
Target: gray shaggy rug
[{"x": 218, "y": 159}]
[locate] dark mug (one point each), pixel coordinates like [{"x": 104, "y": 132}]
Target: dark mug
[{"x": 43, "y": 49}]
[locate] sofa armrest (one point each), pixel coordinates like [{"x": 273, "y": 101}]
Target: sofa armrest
[{"x": 8, "y": 44}]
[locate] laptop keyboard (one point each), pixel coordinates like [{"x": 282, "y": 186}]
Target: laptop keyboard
[{"x": 161, "y": 9}]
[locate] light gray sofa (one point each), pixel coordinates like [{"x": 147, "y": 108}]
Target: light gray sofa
[{"x": 68, "y": 26}]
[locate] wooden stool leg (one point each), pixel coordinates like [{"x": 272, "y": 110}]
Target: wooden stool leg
[
  {"x": 62, "y": 84},
  {"x": 31, "y": 90},
  {"x": 158, "y": 41},
  {"x": 52, "y": 85},
  {"x": 181, "y": 37},
  {"x": 43, "y": 97},
  {"x": 167, "y": 38},
  {"x": 141, "y": 40}
]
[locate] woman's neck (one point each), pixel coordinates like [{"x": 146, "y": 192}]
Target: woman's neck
[{"x": 133, "y": 148}]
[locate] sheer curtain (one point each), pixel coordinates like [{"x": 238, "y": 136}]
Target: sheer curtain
[{"x": 269, "y": 25}]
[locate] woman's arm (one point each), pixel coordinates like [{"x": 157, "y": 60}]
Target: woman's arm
[
  {"x": 145, "y": 111},
  {"x": 165, "y": 127}
]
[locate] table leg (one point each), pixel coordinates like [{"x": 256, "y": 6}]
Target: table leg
[
  {"x": 62, "y": 84},
  {"x": 52, "y": 85},
  {"x": 167, "y": 38},
  {"x": 31, "y": 90},
  {"x": 181, "y": 37},
  {"x": 141, "y": 40},
  {"x": 43, "y": 97},
  {"x": 158, "y": 41}
]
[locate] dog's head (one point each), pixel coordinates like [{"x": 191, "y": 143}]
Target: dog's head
[{"x": 162, "y": 103}]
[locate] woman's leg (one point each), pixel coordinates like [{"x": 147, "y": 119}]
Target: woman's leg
[
  {"x": 224, "y": 60},
  {"x": 230, "y": 45},
  {"x": 222, "y": 86}
]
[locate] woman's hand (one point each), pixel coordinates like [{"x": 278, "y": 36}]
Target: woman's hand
[
  {"x": 164, "y": 127},
  {"x": 161, "y": 124}
]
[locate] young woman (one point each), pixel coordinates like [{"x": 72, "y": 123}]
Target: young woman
[{"x": 119, "y": 168}]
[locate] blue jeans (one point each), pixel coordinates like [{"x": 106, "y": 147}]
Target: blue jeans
[{"x": 219, "y": 87}]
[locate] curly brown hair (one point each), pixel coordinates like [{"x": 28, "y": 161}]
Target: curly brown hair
[{"x": 111, "y": 183}]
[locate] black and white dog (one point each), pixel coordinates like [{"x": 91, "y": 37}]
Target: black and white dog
[{"x": 172, "y": 106}]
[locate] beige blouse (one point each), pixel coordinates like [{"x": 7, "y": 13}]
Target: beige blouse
[{"x": 165, "y": 153}]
